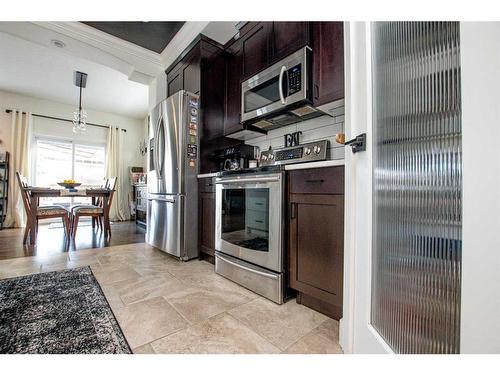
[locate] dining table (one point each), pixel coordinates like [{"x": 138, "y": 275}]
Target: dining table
[{"x": 36, "y": 193}]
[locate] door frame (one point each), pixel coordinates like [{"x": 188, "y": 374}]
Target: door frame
[
  {"x": 357, "y": 335},
  {"x": 480, "y": 305}
]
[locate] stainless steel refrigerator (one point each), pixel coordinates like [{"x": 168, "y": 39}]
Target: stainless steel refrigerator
[{"x": 173, "y": 164}]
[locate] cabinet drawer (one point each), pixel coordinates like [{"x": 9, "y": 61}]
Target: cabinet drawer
[
  {"x": 256, "y": 220},
  {"x": 206, "y": 185},
  {"x": 328, "y": 180}
]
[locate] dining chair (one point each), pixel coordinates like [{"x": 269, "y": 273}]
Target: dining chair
[
  {"x": 42, "y": 212},
  {"x": 95, "y": 211}
]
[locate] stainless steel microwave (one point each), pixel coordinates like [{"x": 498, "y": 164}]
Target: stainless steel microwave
[{"x": 281, "y": 94}]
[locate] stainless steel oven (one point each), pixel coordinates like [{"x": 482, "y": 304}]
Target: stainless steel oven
[
  {"x": 249, "y": 231},
  {"x": 280, "y": 94}
]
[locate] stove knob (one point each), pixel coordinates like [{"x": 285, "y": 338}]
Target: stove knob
[
  {"x": 264, "y": 157},
  {"x": 271, "y": 156},
  {"x": 317, "y": 149},
  {"x": 307, "y": 151}
]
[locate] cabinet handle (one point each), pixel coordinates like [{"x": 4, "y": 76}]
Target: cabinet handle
[
  {"x": 259, "y": 221},
  {"x": 293, "y": 210},
  {"x": 316, "y": 91},
  {"x": 315, "y": 181}
]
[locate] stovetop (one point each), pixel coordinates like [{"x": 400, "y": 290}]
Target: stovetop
[{"x": 272, "y": 161}]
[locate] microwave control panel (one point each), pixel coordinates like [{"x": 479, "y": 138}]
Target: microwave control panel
[
  {"x": 313, "y": 151},
  {"x": 294, "y": 79}
]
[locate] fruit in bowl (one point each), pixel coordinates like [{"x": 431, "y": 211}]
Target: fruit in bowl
[{"x": 68, "y": 184}]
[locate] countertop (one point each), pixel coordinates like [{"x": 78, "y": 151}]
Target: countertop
[
  {"x": 290, "y": 167},
  {"x": 207, "y": 175}
]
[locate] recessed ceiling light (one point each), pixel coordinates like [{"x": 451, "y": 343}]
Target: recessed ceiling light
[{"x": 58, "y": 43}]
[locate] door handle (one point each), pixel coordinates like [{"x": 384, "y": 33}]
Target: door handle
[
  {"x": 224, "y": 259},
  {"x": 280, "y": 85},
  {"x": 293, "y": 210},
  {"x": 357, "y": 144},
  {"x": 167, "y": 200},
  {"x": 155, "y": 154},
  {"x": 247, "y": 180}
]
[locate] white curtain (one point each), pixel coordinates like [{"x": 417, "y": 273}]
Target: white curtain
[
  {"x": 21, "y": 126},
  {"x": 114, "y": 168}
]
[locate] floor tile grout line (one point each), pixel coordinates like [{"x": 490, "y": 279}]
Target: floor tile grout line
[
  {"x": 286, "y": 348},
  {"x": 250, "y": 328}
]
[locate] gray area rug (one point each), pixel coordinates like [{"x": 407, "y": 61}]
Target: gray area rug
[{"x": 58, "y": 312}]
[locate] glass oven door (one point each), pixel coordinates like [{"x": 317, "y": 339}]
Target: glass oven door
[{"x": 249, "y": 219}]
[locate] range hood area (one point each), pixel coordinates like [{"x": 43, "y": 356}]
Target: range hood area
[{"x": 284, "y": 118}]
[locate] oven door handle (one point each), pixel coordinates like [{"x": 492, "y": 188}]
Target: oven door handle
[
  {"x": 280, "y": 84},
  {"x": 265, "y": 274},
  {"x": 247, "y": 180}
]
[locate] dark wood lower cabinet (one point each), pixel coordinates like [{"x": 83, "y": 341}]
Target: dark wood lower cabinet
[
  {"x": 206, "y": 225},
  {"x": 316, "y": 241}
]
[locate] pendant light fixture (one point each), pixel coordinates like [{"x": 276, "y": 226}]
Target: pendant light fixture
[{"x": 80, "y": 116}]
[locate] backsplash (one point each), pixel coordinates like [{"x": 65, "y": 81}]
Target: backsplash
[{"x": 324, "y": 127}]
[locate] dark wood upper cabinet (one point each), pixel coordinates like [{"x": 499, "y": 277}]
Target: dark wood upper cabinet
[
  {"x": 174, "y": 82},
  {"x": 256, "y": 49},
  {"x": 234, "y": 72},
  {"x": 288, "y": 37},
  {"x": 201, "y": 70},
  {"x": 261, "y": 44},
  {"x": 191, "y": 73},
  {"x": 328, "y": 62}
]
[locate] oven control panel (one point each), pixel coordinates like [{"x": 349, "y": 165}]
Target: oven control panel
[{"x": 307, "y": 152}]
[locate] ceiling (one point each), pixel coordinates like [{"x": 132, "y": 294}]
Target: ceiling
[
  {"x": 34, "y": 70},
  {"x": 153, "y": 36}
]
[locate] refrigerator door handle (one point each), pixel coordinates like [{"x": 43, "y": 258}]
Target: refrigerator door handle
[
  {"x": 155, "y": 154},
  {"x": 167, "y": 200}
]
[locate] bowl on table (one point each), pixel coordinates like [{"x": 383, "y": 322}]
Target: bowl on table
[{"x": 69, "y": 185}]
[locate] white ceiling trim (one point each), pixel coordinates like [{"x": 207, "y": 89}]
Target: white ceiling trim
[
  {"x": 143, "y": 60},
  {"x": 95, "y": 37},
  {"x": 188, "y": 32}
]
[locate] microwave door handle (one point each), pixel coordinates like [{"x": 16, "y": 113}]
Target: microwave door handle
[{"x": 280, "y": 85}]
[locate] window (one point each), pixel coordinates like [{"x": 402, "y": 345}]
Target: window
[{"x": 57, "y": 160}]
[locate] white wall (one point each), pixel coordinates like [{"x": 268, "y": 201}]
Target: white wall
[
  {"x": 480, "y": 60},
  {"x": 135, "y": 127},
  {"x": 324, "y": 127}
]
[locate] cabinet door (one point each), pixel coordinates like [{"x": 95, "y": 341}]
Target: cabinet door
[
  {"x": 174, "y": 82},
  {"x": 234, "y": 69},
  {"x": 207, "y": 223},
  {"x": 328, "y": 62},
  {"x": 191, "y": 72},
  {"x": 316, "y": 246},
  {"x": 288, "y": 37},
  {"x": 256, "y": 49}
]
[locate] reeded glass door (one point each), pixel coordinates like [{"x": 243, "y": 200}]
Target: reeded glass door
[{"x": 417, "y": 186}]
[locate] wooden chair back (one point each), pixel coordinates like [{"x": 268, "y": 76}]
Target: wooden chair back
[
  {"x": 111, "y": 185},
  {"x": 98, "y": 201},
  {"x": 23, "y": 186}
]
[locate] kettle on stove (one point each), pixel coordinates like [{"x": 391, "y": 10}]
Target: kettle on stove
[{"x": 231, "y": 164}]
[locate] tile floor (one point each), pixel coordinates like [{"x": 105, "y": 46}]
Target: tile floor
[{"x": 167, "y": 306}]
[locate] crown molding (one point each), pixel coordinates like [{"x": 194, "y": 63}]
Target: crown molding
[
  {"x": 143, "y": 60},
  {"x": 188, "y": 32}
]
